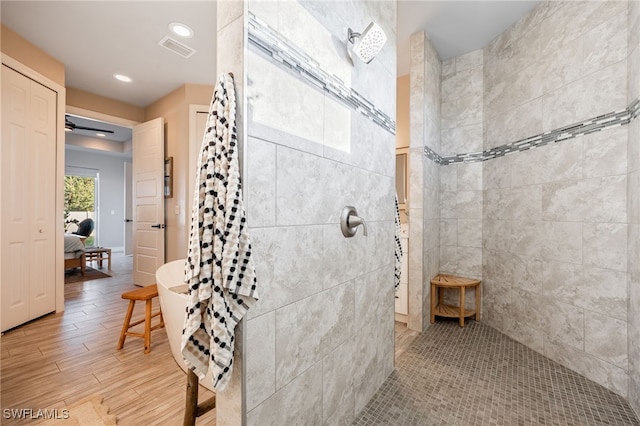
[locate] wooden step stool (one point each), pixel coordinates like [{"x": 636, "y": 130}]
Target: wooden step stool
[{"x": 147, "y": 294}]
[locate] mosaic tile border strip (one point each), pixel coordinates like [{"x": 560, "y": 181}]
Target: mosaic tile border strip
[
  {"x": 596, "y": 124},
  {"x": 283, "y": 52}
]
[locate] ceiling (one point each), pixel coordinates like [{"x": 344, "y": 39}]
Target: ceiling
[{"x": 95, "y": 39}]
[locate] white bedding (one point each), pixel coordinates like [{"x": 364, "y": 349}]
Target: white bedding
[{"x": 73, "y": 245}]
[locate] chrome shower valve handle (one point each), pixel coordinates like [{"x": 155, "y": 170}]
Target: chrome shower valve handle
[{"x": 349, "y": 222}]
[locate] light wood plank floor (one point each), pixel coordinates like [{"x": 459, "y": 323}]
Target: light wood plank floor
[{"x": 59, "y": 359}]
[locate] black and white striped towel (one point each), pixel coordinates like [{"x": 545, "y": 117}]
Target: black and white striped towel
[
  {"x": 398, "y": 265},
  {"x": 219, "y": 268}
]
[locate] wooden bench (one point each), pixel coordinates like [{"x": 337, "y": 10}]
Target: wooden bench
[
  {"x": 146, "y": 294},
  {"x": 439, "y": 308}
]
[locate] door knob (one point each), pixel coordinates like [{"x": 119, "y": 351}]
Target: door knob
[
  {"x": 128, "y": 220},
  {"x": 158, "y": 225}
]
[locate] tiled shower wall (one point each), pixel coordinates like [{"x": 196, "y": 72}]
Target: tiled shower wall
[
  {"x": 633, "y": 206},
  {"x": 461, "y": 184},
  {"x": 319, "y": 342},
  {"x": 424, "y": 178},
  {"x": 555, "y": 217}
]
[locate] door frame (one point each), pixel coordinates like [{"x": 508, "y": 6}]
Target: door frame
[{"x": 61, "y": 100}]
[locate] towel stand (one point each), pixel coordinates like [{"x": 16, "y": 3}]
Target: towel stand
[{"x": 192, "y": 409}]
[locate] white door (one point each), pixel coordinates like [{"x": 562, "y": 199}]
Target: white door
[
  {"x": 148, "y": 201},
  {"x": 128, "y": 210},
  {"x": 198, "y": 124},
  {"x": 28, "y": 199}
]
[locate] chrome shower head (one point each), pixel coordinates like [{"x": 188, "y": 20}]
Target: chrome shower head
[{"x": 366, "y": 45}]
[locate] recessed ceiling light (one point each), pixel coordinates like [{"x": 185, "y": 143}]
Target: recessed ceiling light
[
  {"x": 122, "y": 77},
  {"x": 101, "y": 135},
  {"x": 181, "y": 29}
]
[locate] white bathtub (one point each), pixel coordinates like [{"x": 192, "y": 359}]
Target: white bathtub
[{"x": 173, "y": 300}]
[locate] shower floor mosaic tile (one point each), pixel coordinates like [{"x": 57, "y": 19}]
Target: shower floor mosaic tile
[{"x": 478, "y": 376}]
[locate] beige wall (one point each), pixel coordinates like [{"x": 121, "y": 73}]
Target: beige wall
[
  {"x": 402, "y": 112},
  {"x": 174, "y": 108},
  {"x": 92, "y": 102},
  {"x": 18, "y": 48}
]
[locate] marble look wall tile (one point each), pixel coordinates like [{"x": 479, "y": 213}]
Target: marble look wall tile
[
  {"x": 633, "y": 251},
  {"x": 416, "y": 236},
  {"x": 371, "y": 294},
  {"x": 469, "y": 60},
  {"x": 448, "y": 200},
  {"x": 469, "y": 204},
  {"x": 496, "y": 266},
  {"x": 633, "y": 25},
  {"x": 260, "y": 359},
  {"x": 606, "y": 338},
  {"x": 605, "y": 245},
  {"x": 449, "y": 232},
  {"x": 290, "y": 264},
  {"x": 633, "y": 74},
  {"x": 497, "y": 304},
  {"x": 261, "y": 183},
  {"x": 449, "y": 178},
  {"x": 605, "y": 153},
  {"x": 496, "y": 173},
  {"x": 432, "y": 191},
  {"x": 593, "y": 200},
  {"x": 267, "y": 11},
  {"x": 634, "y": 197},
  {"x": 464, "y": 83},
  {"x": 550, "y": 164},
  {"x": 602, "y": 372},
  {"x": 522, "y": 203},
  {"x": 431, "y": 234},
  {"x": 338, "y": 399},
  {"x": 561, "y": 322},
  {"x": 593, "y": 289},
  {"x": 469, "y": 262},
  {"x": 460, "y": 112},
  {"x": 365, "y": 369},
  {"x": 604, "y": 90},
  {"x": 416, "y": 307},
  {"x": 496, "y": 234},
  {"x": 448, "y": 67},
  {"x": 552, "y": 71},
  {"x": 633, "y": 146},
  {"x": 508, "y": 126},
  {"x": 526, "y": 239},
  {"x": 416, "y": 178},
  {"x": 527, "y": 273},
  {"x": 528, "y": 336},
  {"x": 449, "y": 259},
  {"x": 294, "y": 122},
  {"x": 470, "y": 233},
  {"x": 351, "y": 139},
  {"x": 533, "y": 308},
  {"x": 309, "y": 329},
  {"x": 417, "y": 91},
  {"x": 462, "y": 139},
  {"x": 470, "y": 177},
  {"x": 228, "y": 11},
  {"x": 605, "y": 44},
  {"x": 296, "y": 23},
  {"x": 297, "y": 172},
  {"x": 302, "y": 399},
  {"x": 562, "y": 241}
]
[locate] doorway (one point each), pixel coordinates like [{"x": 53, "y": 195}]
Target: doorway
[{"x": 81, "y": 201}]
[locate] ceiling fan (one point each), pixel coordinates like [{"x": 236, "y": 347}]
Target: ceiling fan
[{"x": 70, "y": 126}]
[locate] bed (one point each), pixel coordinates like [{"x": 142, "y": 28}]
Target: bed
[{"x": 74, "y": 252}]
